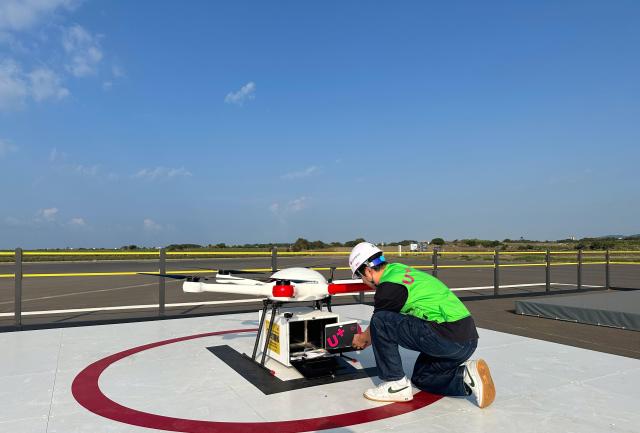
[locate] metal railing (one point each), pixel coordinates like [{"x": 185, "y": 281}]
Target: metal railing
[{"x": 162, "y": 255}]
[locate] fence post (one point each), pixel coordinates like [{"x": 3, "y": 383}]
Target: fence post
[
  {"x": 161, "y": 282},
  {"x": 399, "y": 250},
  {"x": 547, "y": 279},
  {"x": 607, "y": 281},
  {"x": 580, "y": 269},
  {"x": 496, "y": 272},
  {"x": 18, "y": 288},
  {"x": 274, "y": 259},
  {"x": 434, "y": 262}
]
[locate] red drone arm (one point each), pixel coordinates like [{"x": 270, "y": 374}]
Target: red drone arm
[{"x": 347, "y": 288}]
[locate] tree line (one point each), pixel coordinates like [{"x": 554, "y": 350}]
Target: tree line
[{"x": 302, "y": 244}]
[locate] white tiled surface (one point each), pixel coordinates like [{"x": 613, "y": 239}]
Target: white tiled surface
[{"x": 542, "y": 386}]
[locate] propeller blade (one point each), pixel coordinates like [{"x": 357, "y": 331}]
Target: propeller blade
[
  {"x": 293, "y": 281},
  {"x": 173, "y": 276},
  {"x": 238, "y": 271}
]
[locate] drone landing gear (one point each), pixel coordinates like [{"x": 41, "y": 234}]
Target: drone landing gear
[
  {"x": 265, "y": 306},
  {"x": 274, "y": 308},
  {"x": 326, "y": 301}
]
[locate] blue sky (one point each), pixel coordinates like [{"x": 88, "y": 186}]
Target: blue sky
[{"x": 163, "y": 122}]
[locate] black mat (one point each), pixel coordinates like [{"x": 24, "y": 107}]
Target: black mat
[
  {"x": 262, "y": 379},
  {"x": 610, "y": 308}
]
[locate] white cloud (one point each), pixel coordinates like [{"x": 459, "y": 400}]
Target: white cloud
[
  {"x": 43, "y": 218},
  {"x": 13, "y": 86},
  {"x": 48, "y": 214},
  {"x": 12, "y": 43},
  {"x": 14, "y": 222},
  {"x": 246, "y": 92},
  {"x": 162, "y": 173},
  {"x": 45, "y": 84},
  {"x": 18, "y": 15},
  {"x": 16, "y": 86},
  {"x": 300, "y": 174},
  {"x": 274, "y": 208},
  {"x": 77, "y": 222},
  {"x": 150, "y": 225},
  {"x": 297, "y": 205},
  {"x": 83, "y": 50},
  {"x": 62, "y": 164},
  {"x": 54, "y": 155},
  {"x": 293, "y": 206},
  {"x": 6, "y": 148},
  {"x": 60, "y": 161},
  {"x": 86, "y": 170},
  {"x": 26, "y": 27},
  {"x": 117, "y": 71}
]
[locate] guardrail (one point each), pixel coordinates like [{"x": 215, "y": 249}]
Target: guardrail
[{"x": 162, "y": 254}]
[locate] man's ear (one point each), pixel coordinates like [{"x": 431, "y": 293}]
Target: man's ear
[{"x": 369, "y": 276}]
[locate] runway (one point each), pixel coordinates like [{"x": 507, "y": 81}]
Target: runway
[{"x": 80, "y": 295}]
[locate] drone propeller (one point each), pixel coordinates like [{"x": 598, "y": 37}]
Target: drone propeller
[
  {"x": 288, "y": 280},
  {"x": 174, "y": 276},
  {"x": 237, "y": 271},
  {"x": 227, "y": 271}
]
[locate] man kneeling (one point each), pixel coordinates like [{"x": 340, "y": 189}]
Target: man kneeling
[{"x": 414, "y": 310}]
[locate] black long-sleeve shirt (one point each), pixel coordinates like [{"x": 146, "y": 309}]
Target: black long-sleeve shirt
[{"x": 392, "y": 297}]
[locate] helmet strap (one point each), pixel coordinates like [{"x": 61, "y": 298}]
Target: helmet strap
[{"x": 375, "y": 262}]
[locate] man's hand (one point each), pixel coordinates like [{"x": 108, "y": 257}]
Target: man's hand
[{"x": 361, "y": 341}]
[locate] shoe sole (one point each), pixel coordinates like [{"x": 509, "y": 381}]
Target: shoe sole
[
  {"x": 387, "y": 401},
  {"x": 488, "y": 388}
]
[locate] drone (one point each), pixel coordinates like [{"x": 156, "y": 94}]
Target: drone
[
  {"x": 289, "y": 285},
  {"x": 285, "y": 285}
]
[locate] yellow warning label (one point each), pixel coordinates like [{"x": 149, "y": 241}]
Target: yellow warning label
[{"x": 274, "y": 341}]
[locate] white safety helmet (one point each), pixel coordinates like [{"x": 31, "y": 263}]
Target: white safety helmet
[{"x": 361, "y": 255}]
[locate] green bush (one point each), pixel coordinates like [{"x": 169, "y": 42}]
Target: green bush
[
  {"x": 525, "y": 247},
  {"x": 601, "y": 245},
  {"x": 354, "y": 242},
  {"x": 489, "y": 244}
]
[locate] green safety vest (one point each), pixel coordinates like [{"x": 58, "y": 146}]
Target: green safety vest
[{"x": 428, "y": 297}]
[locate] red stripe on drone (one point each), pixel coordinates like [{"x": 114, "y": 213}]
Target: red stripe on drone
[
  {"x": 347, "y": 288},
  {"x": 87, "y": 392}
]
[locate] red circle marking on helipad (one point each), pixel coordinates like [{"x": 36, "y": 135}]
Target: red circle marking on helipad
[{"x": 87, "y": 392}]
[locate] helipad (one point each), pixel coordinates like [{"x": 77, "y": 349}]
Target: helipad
[{"x": 161, "y": 376}]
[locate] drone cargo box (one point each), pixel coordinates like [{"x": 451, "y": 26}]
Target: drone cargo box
[
  {"x": 307, "y": 339},
  {"x": 295, "y": 331}
]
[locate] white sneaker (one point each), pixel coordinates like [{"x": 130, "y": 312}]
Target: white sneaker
[
  {"x": 398, "y": 390},
  {"x": 478, "y": 378}
]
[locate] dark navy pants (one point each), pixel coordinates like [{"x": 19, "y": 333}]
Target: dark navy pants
[{"x": 437, "y": 369}]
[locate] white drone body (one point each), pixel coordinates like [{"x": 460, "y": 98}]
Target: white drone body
[
  {"x": 284, "y": 286},
  {"x": 287, "y": 285}
]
